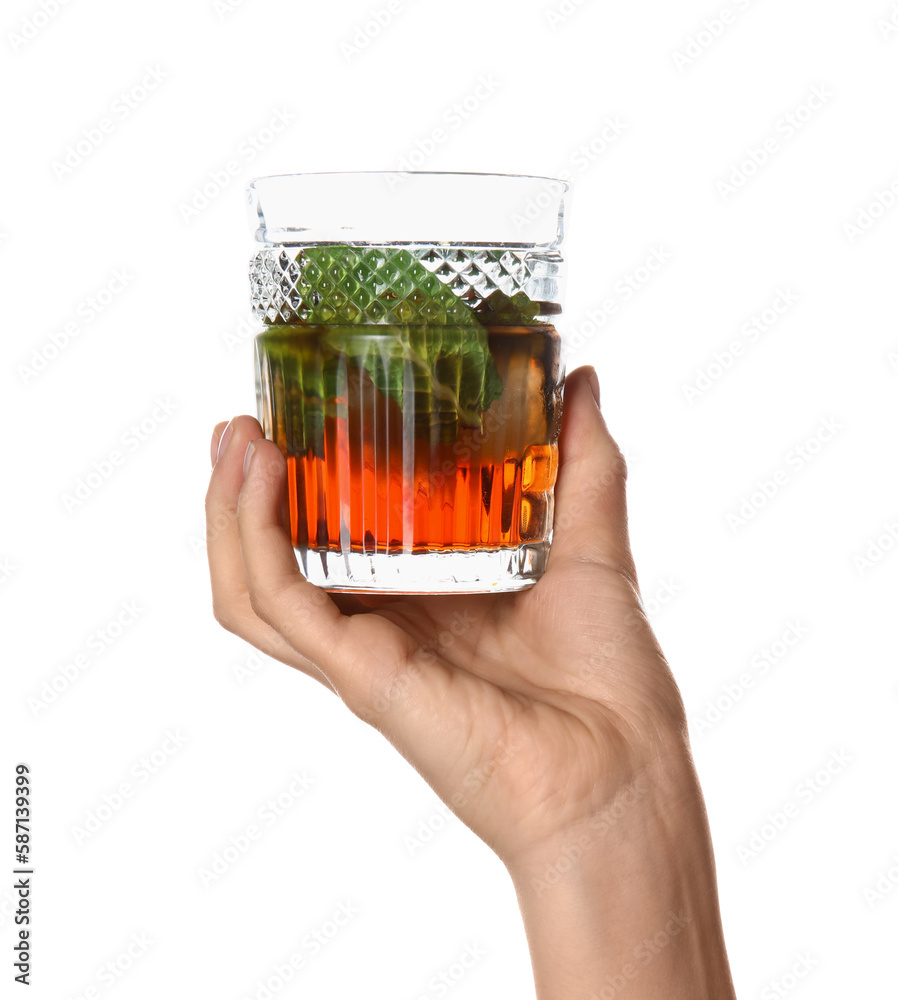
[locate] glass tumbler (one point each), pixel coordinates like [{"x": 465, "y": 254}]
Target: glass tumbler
[{"x": 410, "y": 371}]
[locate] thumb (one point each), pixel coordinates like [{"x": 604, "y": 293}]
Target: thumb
[{"x": 590, "y": 523}]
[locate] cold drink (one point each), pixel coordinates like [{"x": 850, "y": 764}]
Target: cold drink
[
  {"x": 387, "y": 455},
  {"x": 412, "y": 384}
]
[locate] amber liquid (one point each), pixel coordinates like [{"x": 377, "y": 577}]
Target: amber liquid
[{"x": 368, "y": 475}]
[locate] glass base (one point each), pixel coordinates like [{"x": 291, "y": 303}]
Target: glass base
[{"x": 499, "y": 571}]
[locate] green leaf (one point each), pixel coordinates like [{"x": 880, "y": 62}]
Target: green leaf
[
  {"x": 448, "y": 369},
  {"x": 380, "y": 310},
  {"x": 342, "y": 284},
  {"x": 499, "y": 309}
]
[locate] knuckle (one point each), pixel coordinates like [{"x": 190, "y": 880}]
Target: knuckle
[
  {"x": 259, "y": 604},
  {"x": 616, "y": 470},
  {"x": 359, "y": 706},
  {"x": 272, "y": 604},
  {"x": 619, "y": 463},
  {"x": 224, "y": 616}
]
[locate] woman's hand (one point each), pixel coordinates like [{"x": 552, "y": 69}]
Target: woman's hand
[{"x": 535, "y": 716}]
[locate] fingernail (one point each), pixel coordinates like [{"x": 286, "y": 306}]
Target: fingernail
[
  {"x": 225, "y": 437},
  {"x": 594, "y": 385},
  {"x": 248, "y": 457}
]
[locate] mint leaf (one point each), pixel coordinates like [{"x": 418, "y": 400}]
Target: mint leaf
[
  {"x": 448, "y": 369},
  {"x": 499, "y": 309},
  {"x": 379, "y": 310},
  {"x": 343, "y": 284},
  {"x": 438, "y": 347}
]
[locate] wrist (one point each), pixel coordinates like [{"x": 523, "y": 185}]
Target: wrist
[
  {"x": 629, "y": 897},
  {"x": 656, "y": 786}
]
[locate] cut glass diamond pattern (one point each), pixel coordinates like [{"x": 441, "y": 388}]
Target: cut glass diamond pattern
[{"x": 414, "y": 284}]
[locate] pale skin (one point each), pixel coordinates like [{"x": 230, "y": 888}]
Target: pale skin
[{"x": 548, "y": 720}]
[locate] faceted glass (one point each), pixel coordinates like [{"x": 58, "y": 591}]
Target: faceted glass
[{"x": 413, "y": 381}]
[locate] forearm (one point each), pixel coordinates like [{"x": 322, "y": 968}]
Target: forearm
[{"x": 626, "y": 907}]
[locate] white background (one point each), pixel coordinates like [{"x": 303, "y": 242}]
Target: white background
[{"x": 721, "y": 592}]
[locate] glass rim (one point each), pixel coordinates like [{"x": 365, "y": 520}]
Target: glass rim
[{"x": 411, "y": 173}]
